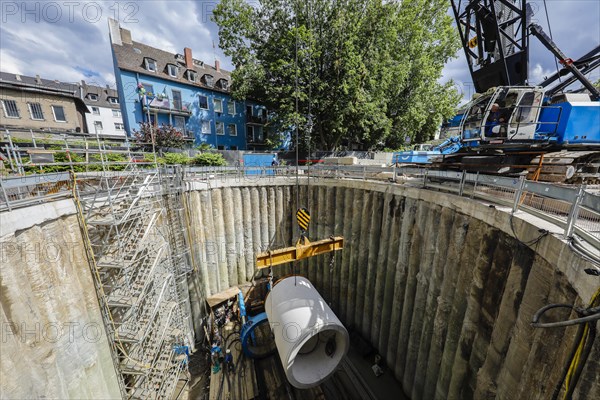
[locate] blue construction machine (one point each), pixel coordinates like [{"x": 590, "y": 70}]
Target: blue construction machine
[{"x": 511, "y": 127}]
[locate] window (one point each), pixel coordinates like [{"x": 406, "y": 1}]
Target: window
[
  {"x": 116, "y": 113},
  {"x": 113, "y": 100},
  {"x": 148, "y": 88},
  {"x": 218, "y": 105},
  {"x": 264, "y": 113},
  {"x": 203, "y": 102},
  {"x": 249, "y": 111},
  {"x": 35, "y": 110},
  {"x": 173, "y": 70},
  {"x": 150, "y": 64},
  {"x": 206, "y": 127},
  {"x": 233, "y": 147},
  {"x": 232, "y": 129},
  {"x": 59, "y": 114},
  {"x": 250, "y": 133},
  {"x": 98, "y": 126},
  {"x": 177, "y": 100},
  {"x": 224, "y": 84},
  {"x": 92, "y": 96},
  {"x": 179, "y": 123},
  {"x": 526, "y": 111},
  {"x": 192, "y": 75},
  {"x": 119, "y": 126},
  {"x": 231, "y": 107},
  {"x": 209, "y": 80},
  {"x": 95, "y": 111},
  {"x": 220, "y": 128},
  {"x": 10, "y": 109},
  {"x": 220, "y": 147}
]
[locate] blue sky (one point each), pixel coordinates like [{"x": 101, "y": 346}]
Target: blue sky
[{"x": 68, "y": 40}]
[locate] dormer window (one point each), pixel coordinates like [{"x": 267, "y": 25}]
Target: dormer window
[
  {"x": 150, "y": 64},
  {"x": 113, "y": 100},
  {"x": 192, "y": 76},
  {"x": 173, "y": 70},
  {"x": 223, "y": 84},
  {"x": 209, "y": 80},
  {"x": 92, "y": 97}
]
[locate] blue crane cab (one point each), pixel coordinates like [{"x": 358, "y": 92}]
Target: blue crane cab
[{"x": 513, "y": 115}]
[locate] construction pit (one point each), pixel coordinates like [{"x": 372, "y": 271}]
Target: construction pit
[{"x": 436, "y": 289}]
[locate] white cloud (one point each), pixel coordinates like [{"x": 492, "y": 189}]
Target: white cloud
[
  {"x": 538, "y": 73},
  {"x": 40, "y": 42},
  {"x": 8, "y": 63},
  {"x": 74, "y": 44}
]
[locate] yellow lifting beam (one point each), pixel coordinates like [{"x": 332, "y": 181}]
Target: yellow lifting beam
[{"x": 303, "y": 249}]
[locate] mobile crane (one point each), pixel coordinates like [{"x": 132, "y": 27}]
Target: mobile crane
[{"x": 553, "y": 135}]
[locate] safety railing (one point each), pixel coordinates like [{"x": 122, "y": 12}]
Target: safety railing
[
  {"x": 36, "y": 189},
  {"x": 541, "y": 125},
  {"x": 574, "y": 208}
]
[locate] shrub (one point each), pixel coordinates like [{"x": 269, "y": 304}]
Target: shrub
[
  {"x": 62, "y": 157},
  {"x": 175, "y": 158},
  {"x": 209, "y": 159},
  {"x": 204, "y": 147}
]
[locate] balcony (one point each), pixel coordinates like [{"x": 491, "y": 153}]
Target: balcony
[
  {"x": 188, "y": 135},
  {"x": 164, "y": 106},
  {"x": 256, "y": 120}
]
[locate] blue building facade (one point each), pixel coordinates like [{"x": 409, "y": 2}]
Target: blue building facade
[{"x": 175, "y": 89}]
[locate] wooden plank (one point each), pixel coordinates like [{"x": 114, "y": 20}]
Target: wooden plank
[
  {"x": 241, "y": 385},
  {"x": 215, "y": 381},
  {"x": 223, "y": 296}
]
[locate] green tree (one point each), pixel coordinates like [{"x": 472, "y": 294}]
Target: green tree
[{"x": 361, "y": 71}]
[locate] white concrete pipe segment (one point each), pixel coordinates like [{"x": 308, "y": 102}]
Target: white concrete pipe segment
[{"x": 310, "y": 339}]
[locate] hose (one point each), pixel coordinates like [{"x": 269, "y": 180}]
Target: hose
[
  {"x": 582, "y": 346},
  {"x": 566, "y": 369},
  {"x": 581, "y": 356},
  {"x": 591, "y": 314}
]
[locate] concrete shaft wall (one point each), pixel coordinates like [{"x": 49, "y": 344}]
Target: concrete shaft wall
[
  {"x": 437, "y": 283},
  {"x": 53, "y": 340}
]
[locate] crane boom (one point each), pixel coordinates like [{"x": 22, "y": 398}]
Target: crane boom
[{"x": 568, "y": 63}]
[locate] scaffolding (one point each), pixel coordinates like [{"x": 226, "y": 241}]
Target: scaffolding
[{"x": 135, "y": 238}]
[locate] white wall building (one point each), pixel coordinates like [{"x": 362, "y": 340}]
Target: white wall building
[{"x": 104, "y": 117}]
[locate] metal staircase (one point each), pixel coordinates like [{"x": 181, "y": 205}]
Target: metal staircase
[{"x": 135, "y": 234}]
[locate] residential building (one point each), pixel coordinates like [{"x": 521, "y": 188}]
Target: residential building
[
  {"x": 105, "y": 117},
  {"x": 41, "y": 105},
  {"x": 161, "y": 87}
]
